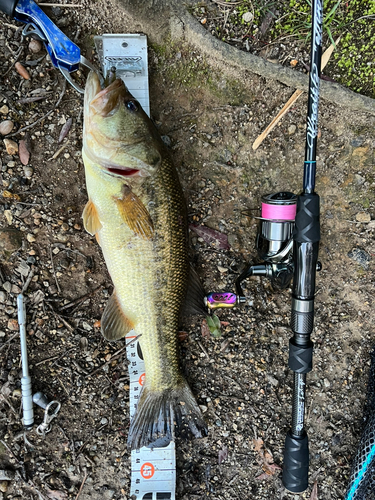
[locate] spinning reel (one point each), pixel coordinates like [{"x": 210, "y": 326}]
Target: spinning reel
[{"x": 274, "y": 245}]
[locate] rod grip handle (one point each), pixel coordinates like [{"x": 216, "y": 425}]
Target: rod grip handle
[
  {"x": 296, "y": 463},
  {"x": 8, "y": 6}
]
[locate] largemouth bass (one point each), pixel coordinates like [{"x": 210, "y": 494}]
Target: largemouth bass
[{"x": 136, "y": 210}]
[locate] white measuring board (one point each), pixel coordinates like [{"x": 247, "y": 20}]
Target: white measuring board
[
  {"x": 128, "y": 54},
  {"x": 153, "y": 470},
  {"x": 153, "y": 474}
]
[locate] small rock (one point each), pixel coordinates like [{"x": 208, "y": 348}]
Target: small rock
[
  {"x": 10, "y": 241},
  {"x": 4, "y": 110},
  {"x": 23, "y": 268},
  {"x": 15, "y": 289},
  {"x": 292, "y": 129},
  {"x": 371, "y": 224},
  {"x": 17, "y": 393},
  {"x": 327, "y": 383},
  {"x": 359, "y": 179},
  {"x": 28, "y": 171},
  {"x": 35, "y": 46},
  {"x": 247, "y": 17},
  {"x": 360, "y": 256},
  {"x": 6, "y": 475},
  {"x": 6, "y": 127},
  {"x": 7, "y": 286},
  {"x": 30, "y": 238},
  {"x": 222, "y": 269},
  {"x": 3, "y": 486},
  {"x": 104, "y": 421},
  {"x": 363, "y": 217},
  {"x": 11, "y": 147},
  {"x": 8, "y": 216},
  {"x": 3, "y": 297},
  {"x": 167, "y": 140},
  {"x": 13, "y": 324}
]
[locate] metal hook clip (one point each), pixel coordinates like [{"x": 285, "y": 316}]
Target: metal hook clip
[
  {"x": 45, "y": 426},
  {"x": 51, "y": 409}
]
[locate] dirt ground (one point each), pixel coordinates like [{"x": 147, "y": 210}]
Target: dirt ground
[{"x": 241, "y": 380}]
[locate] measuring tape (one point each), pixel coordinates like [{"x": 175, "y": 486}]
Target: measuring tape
[{"x": 153, "y": 471}]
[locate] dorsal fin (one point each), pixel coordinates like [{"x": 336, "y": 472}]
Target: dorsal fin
[
  {"x": 115, "y": 324},
  {"x": 194, "y": 299},
  {"x": 91, "y": 219}
]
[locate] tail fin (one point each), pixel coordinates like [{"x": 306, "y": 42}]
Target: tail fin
[{"x": 158, "y": 412}]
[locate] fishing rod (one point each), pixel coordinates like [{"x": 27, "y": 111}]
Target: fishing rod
[
  {"x": 288, "y": 243},
  {"x": 306, "y": 239}
]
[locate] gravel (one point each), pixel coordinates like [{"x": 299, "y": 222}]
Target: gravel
[{"x": 241, "y": 380}]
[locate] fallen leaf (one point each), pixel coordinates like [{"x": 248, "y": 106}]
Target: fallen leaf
[
  {"x": 266, "y": 459},
  {"x": 97, "y": 323},
  {"x": 65, "y": 129},
  {"x": 57, "y": 495},
  {"x": 314, "y": 493},
  {"x": 293, "y": 62},
  {"x": 267, "y": 21},
  {"x": 11, "y": 196},
  {"x": 214, "y": 325},
  {"x": 222, "y": 455},
  {"x": 182, "y": 336},
  {"x": 23, "y": 152},
  {"x": 21, "y": 70},
  {"x": 205, "y": 331},
  {"x": 263, "y": 476},
  {"x": 258, "y": 444},
  {"x": 211, "y": 236}
]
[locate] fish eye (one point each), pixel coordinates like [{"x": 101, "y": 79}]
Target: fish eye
[{"x": 132, "y": 106}]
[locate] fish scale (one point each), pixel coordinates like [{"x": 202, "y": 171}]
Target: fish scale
[{"x": 137, "y": 211}]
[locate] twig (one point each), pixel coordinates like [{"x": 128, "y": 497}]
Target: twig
[
  {"x": 46, "y": 360},
  {"x": 53, "y": 269},
  {"x": 14, "y": 62},
  {"x": 63, "y": 386},
  {"x": 58, "y": 152},
  {"x": 115, "y": 356},
  {"x": 203, "y": 349},
  {"x": 59, "y": 317},
  {"x": 28, "y": 281},
  {"x": 9, "y": 404},
  {"x": 83, "y": 482},
  {"x": 10, "y": 451},
  {"x": 44, "y": 116},
  {"x": 9, "y": 340},
  {"x": 80, "y": 299},
  {"x": 325, "y": 58},
  {"x": 276, "y": 120}
]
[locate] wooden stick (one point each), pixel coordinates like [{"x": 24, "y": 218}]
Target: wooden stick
[{"x": 258, "y": 141}]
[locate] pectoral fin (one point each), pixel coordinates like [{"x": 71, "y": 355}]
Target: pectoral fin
[
  {"x": 135, "y": 214},
  {"x": 115, "y": 324},
  {"x": 91, "y": 219}
]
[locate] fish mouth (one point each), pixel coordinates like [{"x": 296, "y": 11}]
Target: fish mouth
[
  {"x": 124, "y": 172},
  {"x": 106, "y": 101}
]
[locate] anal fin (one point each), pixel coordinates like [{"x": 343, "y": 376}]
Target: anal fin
[
  {"x": 91, "y": 219},
  {"x": 115, "y": 324}
]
